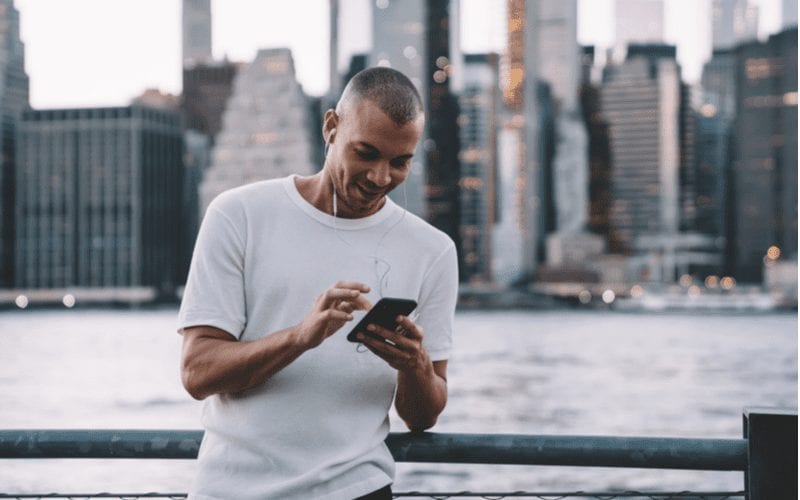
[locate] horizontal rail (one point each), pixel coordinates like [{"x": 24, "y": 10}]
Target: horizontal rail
[
  {"x": 436, "y": 495},
  {"x": 507, "y": 449}
]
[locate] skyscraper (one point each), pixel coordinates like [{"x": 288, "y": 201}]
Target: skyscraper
[
  {"x": 733, "y": 22},
  {"x": 641, "y": 100},
  {"x": 267, "y": 128},
  {"x": 479, "y": 103},
  {"x": 714, "y": 141},
  {"x": 559, "y": 58},
  {"x": 763, "y": 183},
  {"x": 414, "y": 37},
  {"x": 525, "y": 184},
  {"x": 99, "y": 199},
  {"x": 559, "y": 52},
  {"x": 13, "y": 100},
  {"x": 599, "y": 154},
  {"x": 196, "y": 20},
  {"x": 206, "y": 90}
]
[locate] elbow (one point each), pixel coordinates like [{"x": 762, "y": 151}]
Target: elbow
[
  {"x": 420, "y": 425},
  {"x": 192, "y": 383}
]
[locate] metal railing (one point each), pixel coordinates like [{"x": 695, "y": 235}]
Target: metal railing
[{"x": 767, "y": 455}]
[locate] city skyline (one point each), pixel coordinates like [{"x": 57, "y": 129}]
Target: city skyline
[{"x": 69, "y": 68}]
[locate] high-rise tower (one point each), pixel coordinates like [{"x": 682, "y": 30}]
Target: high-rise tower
[
  {"x": 196, "y": 32},
  {"x": 13, "y": 100},
  {"x": 99, "y": 199},
  {"x": 763, "y": 185},
  {"x": 641, "y": 100},
  {"x": 266, "y": 131},
  {"x": 478, "y": 125}
]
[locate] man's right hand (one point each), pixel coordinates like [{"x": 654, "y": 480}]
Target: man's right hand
[
  {"x": 331, "y": 311},
  {"x": 214, "y": 362}
]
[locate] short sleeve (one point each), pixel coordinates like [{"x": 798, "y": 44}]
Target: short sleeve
[
  {"x": 437, "y": 304},
  {"x": 214, "y": 293}
]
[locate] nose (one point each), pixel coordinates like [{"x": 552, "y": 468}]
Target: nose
[{"x": 380, "y": 174}]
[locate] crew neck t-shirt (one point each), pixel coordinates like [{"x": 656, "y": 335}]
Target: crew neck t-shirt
[{"x": 315, "y": 429}]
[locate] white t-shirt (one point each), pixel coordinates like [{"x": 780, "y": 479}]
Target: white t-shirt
[{"x": 315, "y": 429}]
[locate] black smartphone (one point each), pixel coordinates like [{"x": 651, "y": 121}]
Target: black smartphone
[{"x": 383, "y": 313}]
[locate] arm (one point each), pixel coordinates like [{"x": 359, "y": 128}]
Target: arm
[
  {"x": 421, "y": 383},
  {"x": 422, "y": 395},
  {"x": 214, "y": 362}
]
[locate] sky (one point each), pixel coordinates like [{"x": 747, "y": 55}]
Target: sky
[{"x": 83, "y": 53}]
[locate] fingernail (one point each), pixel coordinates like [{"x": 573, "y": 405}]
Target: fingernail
[{"x": 371, "y": 328}]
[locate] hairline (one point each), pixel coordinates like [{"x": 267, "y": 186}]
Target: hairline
[{"x": 353, "y": 98}]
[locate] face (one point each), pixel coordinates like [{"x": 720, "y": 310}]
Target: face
[{"x": 369, "y": 156}]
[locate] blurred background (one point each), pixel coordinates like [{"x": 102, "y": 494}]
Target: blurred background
[
  {"x": 619, "y": 176},
  {"x": 640, "y": 151}
]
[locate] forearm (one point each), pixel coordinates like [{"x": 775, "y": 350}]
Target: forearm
[
  {"x": 421, "y": 396},
  {"x": 217, "y": 366}
]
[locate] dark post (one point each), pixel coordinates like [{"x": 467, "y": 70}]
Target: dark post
[{"x": 771, "y": 472}]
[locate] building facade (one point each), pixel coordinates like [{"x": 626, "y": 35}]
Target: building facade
[
  {"x": 99, "y": 199},
  {"x": 207, "y": 87},
  {"x": 599, "y": 163},
  {"x": 479, "y": 103},
  {"x": 641, "y": 101},
  {"x": 267, "y": 128},
  {"x": 13, "y": 100},
  {"x": 714, "y": 142},
  {"x": 526, "y": 212},
  {"x": 763, "y": 184},
  {"x": 196, "y": 24}
]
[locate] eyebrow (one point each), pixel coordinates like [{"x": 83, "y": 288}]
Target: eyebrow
[{"x": 373, "y": 148}]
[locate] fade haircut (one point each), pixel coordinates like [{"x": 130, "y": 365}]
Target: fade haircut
[{"x": 387, "y": 88}]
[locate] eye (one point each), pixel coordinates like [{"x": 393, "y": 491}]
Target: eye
[
  {"x": 366, "y": 155},
  {"x": 400, "y": 162}
]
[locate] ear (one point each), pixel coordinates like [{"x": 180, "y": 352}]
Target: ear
[{"x": 329, "y": 123}]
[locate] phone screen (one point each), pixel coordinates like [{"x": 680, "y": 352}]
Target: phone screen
[{"x": 383, "y": 313}]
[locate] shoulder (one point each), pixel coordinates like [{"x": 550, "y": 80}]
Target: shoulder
[
  {"x": 237, "y": 202},
  {"x": 425, "y": 237}
]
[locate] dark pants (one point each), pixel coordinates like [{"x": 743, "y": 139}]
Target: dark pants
[{"x": 384, "y": 493}]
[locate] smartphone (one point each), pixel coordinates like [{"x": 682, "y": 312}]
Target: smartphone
[{"x": 383, "y": 313}]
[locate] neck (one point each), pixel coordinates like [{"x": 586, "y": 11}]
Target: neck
[{"x": 317, "y": 190}]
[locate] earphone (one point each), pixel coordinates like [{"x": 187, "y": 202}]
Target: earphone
[{"x": 374, "y": 257}]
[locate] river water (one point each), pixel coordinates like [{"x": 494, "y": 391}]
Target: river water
[{"x": 551, "y": 372}]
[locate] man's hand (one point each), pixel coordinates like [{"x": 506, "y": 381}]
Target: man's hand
[
  {"x": 421, "y": 384},
  {"x": 331, "y": 311},
  {"x": 402, "y": 348}
]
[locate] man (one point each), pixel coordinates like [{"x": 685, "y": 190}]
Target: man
[{"x": 292, "y": 409}]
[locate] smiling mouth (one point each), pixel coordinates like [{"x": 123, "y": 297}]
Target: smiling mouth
[{"x": 369, "y": 195}]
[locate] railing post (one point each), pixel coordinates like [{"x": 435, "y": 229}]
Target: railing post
[{"x": 771, "y": 472}]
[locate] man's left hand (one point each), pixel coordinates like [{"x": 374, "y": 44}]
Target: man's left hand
[{"x": 402, "y": 349}]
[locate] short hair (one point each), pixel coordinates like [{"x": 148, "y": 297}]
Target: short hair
[{"x": 389, "y": 89}]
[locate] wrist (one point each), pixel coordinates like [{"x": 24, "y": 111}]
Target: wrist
[
  {"x": 422, "y": 369},
  {"x": 298, "y": 338}
]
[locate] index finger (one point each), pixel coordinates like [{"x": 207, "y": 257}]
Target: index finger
[
  {"x": 362, "y": 303},
  {"x": 352, "y": 285}
]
